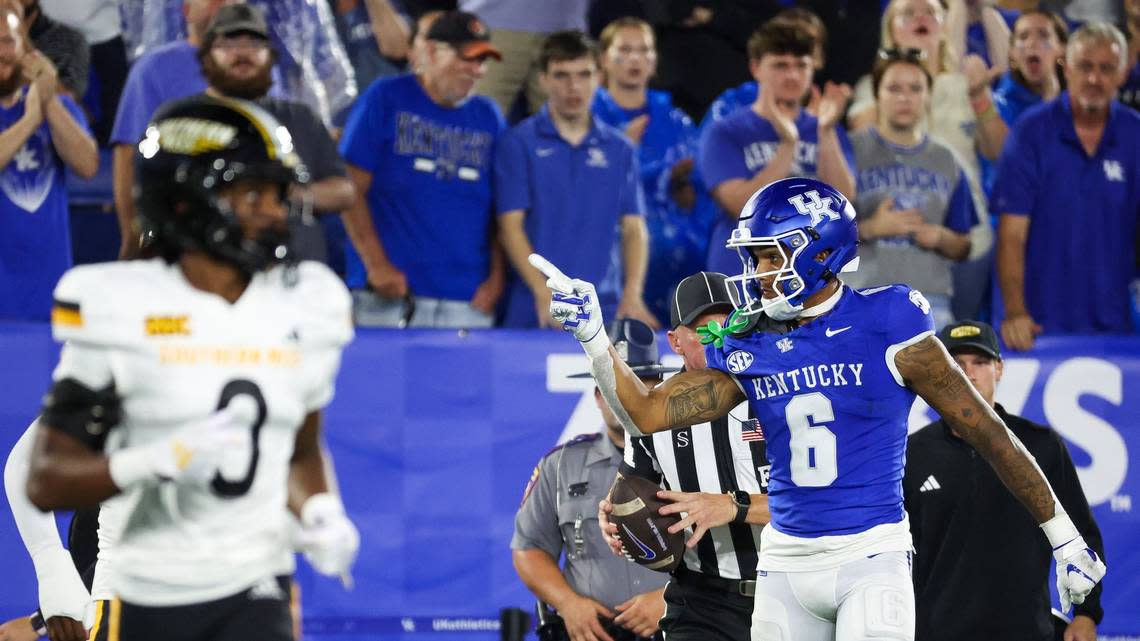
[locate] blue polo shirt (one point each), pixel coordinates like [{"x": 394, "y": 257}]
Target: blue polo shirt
[
  {"x": 739, "y": 146},
  {"x": 1083, "y": 213},
  {"x": 430, "y": 197},
  {"x": 574, "y": 198}
]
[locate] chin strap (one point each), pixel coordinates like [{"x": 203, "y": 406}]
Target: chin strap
[{"x": 824, "y": 307}]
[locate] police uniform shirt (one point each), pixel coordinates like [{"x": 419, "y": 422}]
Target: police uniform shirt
[
  {"x": 175, "y": 354},
  {"x": 559, "y": 512}
]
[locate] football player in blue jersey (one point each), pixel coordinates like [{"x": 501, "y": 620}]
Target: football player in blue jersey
[{"x": 833, "y": 395}]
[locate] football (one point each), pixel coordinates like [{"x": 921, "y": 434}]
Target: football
[{"x": 642, "y": 530}]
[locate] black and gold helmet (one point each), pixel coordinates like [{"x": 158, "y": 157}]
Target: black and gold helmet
[{"x": 193, "y": 148}]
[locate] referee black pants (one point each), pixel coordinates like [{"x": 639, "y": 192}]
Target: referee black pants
[{"x": 697, "y": 612}]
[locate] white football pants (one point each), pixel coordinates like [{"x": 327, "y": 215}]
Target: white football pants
[{"x": 868, "y": 599}]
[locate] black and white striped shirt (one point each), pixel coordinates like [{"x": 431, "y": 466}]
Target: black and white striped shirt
[{"x": 712, "y": 457}]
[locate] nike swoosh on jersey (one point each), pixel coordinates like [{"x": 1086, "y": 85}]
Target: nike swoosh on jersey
[
  {"x": 830, "y": 332},
  {"x": 543, "y": 153}
]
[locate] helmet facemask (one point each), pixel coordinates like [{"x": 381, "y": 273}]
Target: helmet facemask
[{"x": 788, "y": 285}]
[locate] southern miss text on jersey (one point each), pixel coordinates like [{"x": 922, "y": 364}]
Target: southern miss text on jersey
[
  {"x": 175, "y": 355},
  {"x": 834, "y": 411}
]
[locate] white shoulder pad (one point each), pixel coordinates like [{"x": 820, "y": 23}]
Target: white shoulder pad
[
  {"x": 327, "y": 306},
  {"x": 92, "y": 303}
]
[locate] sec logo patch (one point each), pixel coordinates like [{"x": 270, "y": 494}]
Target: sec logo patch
[{"x": 738, "y": 361}]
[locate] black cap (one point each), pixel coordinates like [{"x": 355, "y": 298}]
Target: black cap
[
  {"x": 972, "y": 335},
  {"x": 636, "y": 343},
  {"x": 464, "y": 31},
  {"x": 698, "y": 294},
  {"x": 234, "y": 19}
]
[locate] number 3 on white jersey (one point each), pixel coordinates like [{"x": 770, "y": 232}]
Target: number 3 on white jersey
[{"x": 812, "y": 444}]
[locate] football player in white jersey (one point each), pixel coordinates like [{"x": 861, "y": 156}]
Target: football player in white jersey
[
  {"x": 190, "y": 387},
  {"x": 833, "y": 395}
]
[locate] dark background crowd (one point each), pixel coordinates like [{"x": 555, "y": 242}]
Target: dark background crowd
[{"x": 992, "y": 150}]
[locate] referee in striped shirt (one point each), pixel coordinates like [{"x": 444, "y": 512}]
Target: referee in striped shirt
[{"x": 715, "y": 472}]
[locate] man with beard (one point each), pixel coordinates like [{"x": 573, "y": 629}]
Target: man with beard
[
  {"x": 164, "y": 73},
  {"x": 43, "y": 132},
  {"x": 1068, "y": 202},
  {"x": 237, "y": 61}
]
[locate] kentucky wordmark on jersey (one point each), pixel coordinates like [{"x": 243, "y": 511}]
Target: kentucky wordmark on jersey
[{"x": 834, "y": 411}]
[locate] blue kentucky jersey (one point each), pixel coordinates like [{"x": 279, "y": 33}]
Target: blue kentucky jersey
[{"x": 833, "y": 409}]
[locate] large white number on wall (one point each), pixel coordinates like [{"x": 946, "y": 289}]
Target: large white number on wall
[{"x": 813, "y": 445}]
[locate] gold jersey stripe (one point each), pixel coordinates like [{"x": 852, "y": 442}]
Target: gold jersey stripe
[
  {"x": 113, "y": 625},
  {"x": 97, "y": 628}
]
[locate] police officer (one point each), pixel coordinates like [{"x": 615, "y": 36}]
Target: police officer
[
  {"x": 597, "y": 596},
  {"x": 960, "y": 510}
]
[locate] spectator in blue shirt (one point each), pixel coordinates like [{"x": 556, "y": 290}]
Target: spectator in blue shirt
[
  {"x": 42, "y": 133},
  {"x": 1037, "y": 45},
  {"x": 164, "y": 73},
  {"x": 745, "y": 94},
  {"x": 680, "y": 213},
  {"x": 1130, "y": 92},
  {"x": 567, "y": 186},
  {"x": 775, "y": 138},
  {"x": 1067, "y": 192},
  {"x": 419, "y": 150}
]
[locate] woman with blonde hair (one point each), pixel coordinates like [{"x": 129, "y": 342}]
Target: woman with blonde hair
[{"x": 961, "y": 114}]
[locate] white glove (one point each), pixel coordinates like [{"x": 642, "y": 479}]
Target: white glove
[
  {"x": 1079, "y": 568},
  {"x": 574, "y": 304},
  {"x": 62, "y": 593},
  {"x": 327, "y": 538},
  {"x": 192, "y": 455}
]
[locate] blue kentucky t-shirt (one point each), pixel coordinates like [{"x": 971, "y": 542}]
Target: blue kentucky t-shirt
[
  {"x": 834, "y": 409},
  {"x": 740, "y": 145},
  {"x": 35, "y": 248},
  {"x": 430, "y": 197}
]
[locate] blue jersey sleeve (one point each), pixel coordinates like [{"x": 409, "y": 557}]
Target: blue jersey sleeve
[
  {"x": 512, "y": 174},
  {"x": 718, "y": 158},
  {"x": 906, "y": 320},
  {"x": 1016, "y": 183},
  {"x": 364, "y": 131},
  {"x": 907, "y": 315},
  {"x": 960, "y": 213}
]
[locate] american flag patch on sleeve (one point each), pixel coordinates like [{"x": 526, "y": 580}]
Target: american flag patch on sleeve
[{"x": 750, "y": 430}]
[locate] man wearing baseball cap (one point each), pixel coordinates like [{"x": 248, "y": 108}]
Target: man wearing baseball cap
[
  {"x": 960, "y": 510},
  {"x": 725, "y": 505},
  {"x": 418, "y": 148}
]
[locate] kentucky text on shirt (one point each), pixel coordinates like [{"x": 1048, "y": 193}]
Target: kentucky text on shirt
[
  {"x": 418, "y": 136},
  {"x": 759, "y": 154},
  {"x": 822, "y": 375}
]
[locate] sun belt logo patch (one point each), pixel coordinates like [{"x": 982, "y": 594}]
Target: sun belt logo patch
[{"x": 738, "y": 361}]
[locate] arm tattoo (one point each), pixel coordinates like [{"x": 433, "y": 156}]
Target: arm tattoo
[
  {"x": 689, "y": 402},
  {"x": 929, "y": 371}
]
